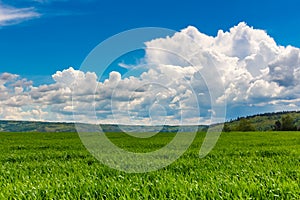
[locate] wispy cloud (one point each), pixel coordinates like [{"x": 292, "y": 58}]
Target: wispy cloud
[
  {"x": 10, "y": 15},
  {"x": 52, "y": 1},
  {"x": 47, "y": 1}
]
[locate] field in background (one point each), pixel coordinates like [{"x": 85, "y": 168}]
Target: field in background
[{"x": 248, "y": 165}]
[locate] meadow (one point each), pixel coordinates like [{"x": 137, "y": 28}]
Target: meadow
[{"x": 243, "y": 165}]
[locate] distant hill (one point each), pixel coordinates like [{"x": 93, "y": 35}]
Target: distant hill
[
  {"x": 30, "y": 126},
  {"x": 266, "y": 121},
  {"x": 261, "y": 122}
]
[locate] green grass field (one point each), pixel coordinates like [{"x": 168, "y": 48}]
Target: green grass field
[{"x": 251, "y": 165}]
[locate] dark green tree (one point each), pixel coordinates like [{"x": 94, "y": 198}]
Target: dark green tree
[
  {"x": 245, "y": 125},
  {"x": 287, "y": 123},
  {"x": 226, "y": 128},
  {"x": 277, "y": 126}
]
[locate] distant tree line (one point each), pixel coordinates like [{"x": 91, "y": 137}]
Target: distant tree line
[
  {"x": 244, "y": 125},
  {"x": 269, "y": 114},
  {"x": 286, "y": 123}
]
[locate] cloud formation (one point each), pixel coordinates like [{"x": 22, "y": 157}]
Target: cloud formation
[
  {"x": 10, "y": 15},
  {"x": 255, "y": 70},
  {"x": 257, "y": 74}
]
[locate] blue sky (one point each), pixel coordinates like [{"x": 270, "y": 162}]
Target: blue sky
[
  {"x": 67, "y": 31},
  {"x": 41, "y": 39}
]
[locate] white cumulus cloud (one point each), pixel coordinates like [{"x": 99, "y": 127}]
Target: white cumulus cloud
[
  {"x": 253, "y": 68},
  {"x": 244, "y": 67}
]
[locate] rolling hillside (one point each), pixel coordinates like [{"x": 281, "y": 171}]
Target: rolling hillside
[
  {"x": 261, "y": 122},
  {"x": 266, "y": 121},
  {"x": 29, "y": 126}
]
